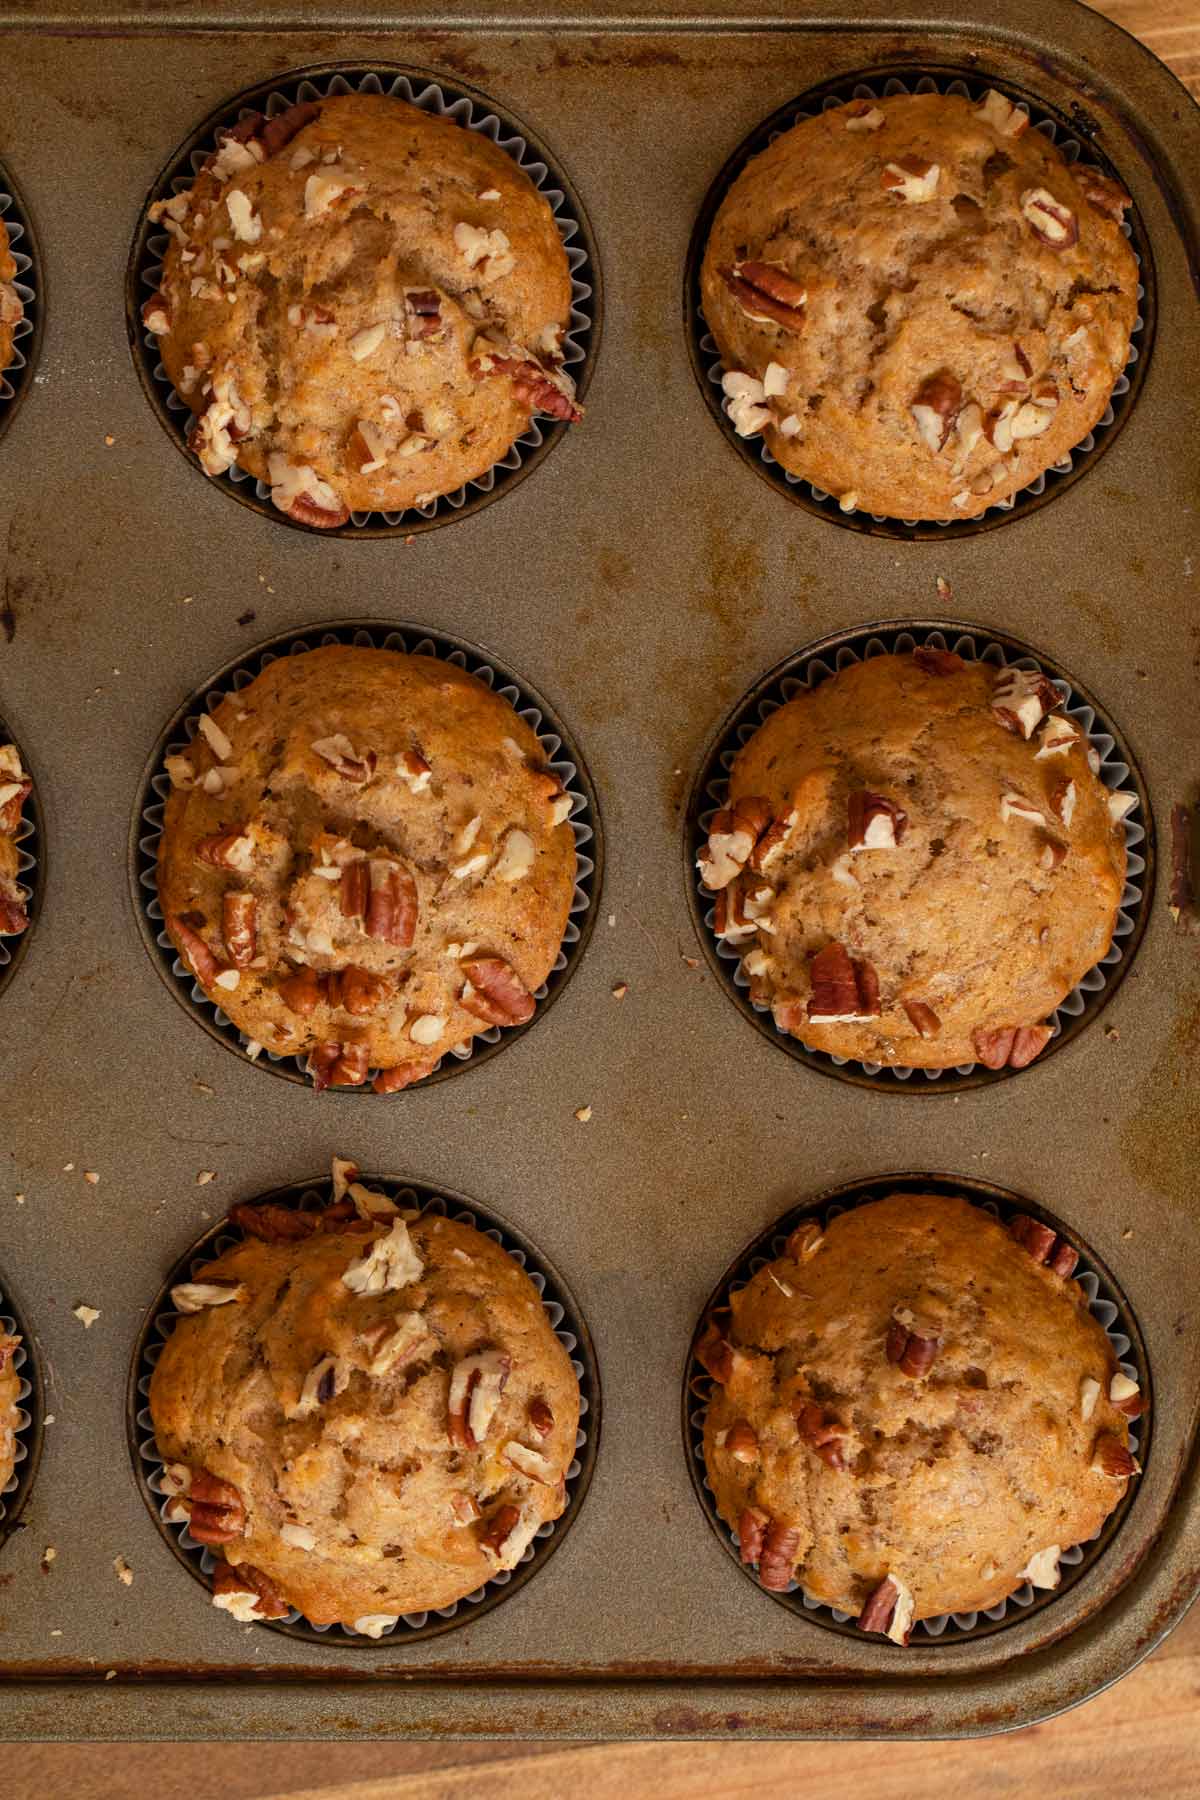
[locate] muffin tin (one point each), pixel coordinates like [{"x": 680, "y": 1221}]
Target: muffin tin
[
  {"x": 644, "y": 581},
  {"x": 16, "y": 378},
  {"x": 30, "y": 1415}
]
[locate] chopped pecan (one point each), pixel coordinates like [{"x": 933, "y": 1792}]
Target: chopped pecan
[
  {"x": 495, "y": 992},
  {"x": 156, "y": 315},
  {"x": 935, "y": 406},
  {"x": 243, "y": 1582},
  {"x": 239, "y": 927},
  {"x": 1053, "y": 853},
  {"x": 423, "y": 307},
  {"x": 531, "y": 1463},
  {"x": 356, "y": 990},
  {"x": 888, "y": 1608},
  {"x": 217, "y": 1512},
  {"x": 541, "y": 1416},
  {"x": 400, "y": 1075},
  {"x": 1111, "y": 1458},
  {"x": 752, "y": 1527},
  {"x": 767, "y": 293},
  {"x": 322, "y": 1059},
  {"x": 843, "y": 990},
  {"x": 732, "y": 836},
  {"x": 300, "y": 992},
  {"x": 341, "y": 755},
  {"x": 16, "y": 792},
  {"x": 862, "y": 115},
  {"x": 874, "y": 821},
  {"x": 1044, "y": 1245},
  {"x": 194, "y": 951},
  {"x": 272, "y": 1223},
  {"x": 777, "y": 1558},
  {"x": 1101, "y": 193},
  {"x": 911, "y": 178},
  {"x": 741, "y": 1441},
  {"x": 349, "y": 1068},
  {"x": 821, "y": 1433},
  {"x": 475, "y": 1389},
  {"x": 278, "y": 132},
  {"x": 392, "y": 904},
  {"x": 714, "y": 1352},
  {"x": 731, "y": 921},
  {"x": 500, "y": 1528},
  {"x": 1125, "y": 1394},
  {"x": 770, "y": 845},
  {"x": 1014, "y": 1046},
  {"x": 1002, "y": 115},
  {"x": 911, "y": 1346},
  {"x": 197, "y": 1296},
  {"x": 937, "y": 662},
  {"x": 538, "y": 389},
  {"x": 805, "y": 1241},
  {"x": 1049, "y": 220},
  {"x": 922, "y": 1018},
  {"x": 231, "y": 849},
  {"x": 1022, "y": 698},
  {"x": 354, "y": 890}
]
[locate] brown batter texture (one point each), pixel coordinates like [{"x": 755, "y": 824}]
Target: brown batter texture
[
  {"x": 918, "y": 303},
  {"x": 912, "y": 880},
  {"x": 369, "y": 1419},
  {"x": 366, "y": 861},
  {"x": 362, "y": 304},
  {"x": 910, "y": 1394}
]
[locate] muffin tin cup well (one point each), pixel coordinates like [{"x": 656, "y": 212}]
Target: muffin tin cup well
[
  {"x": 562, "y": 1310},
  {"x": 1075, "y": 138},
  {"x": 475, "y": 112},
  {"x": 820, "y": 662},
  {"x": 30, "y": 1417},
  {"x": 17, "y": 379},
  {"x": 31, "y": 860},
  {"x": 1107, "y": 1304},
  {"x": 561, "y": 755}
]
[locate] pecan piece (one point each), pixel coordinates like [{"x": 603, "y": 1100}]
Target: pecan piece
[
  {"x": 231, "y": 849},
  {"x": 475, "y": 1389},
  {"x": 300, "y": 992},
  {"x": 714, "y": 1352},
  {"x": 500, "y": 1528},
  {"x": 340, "y": 754},
  {"x": 888, "y": 1608},
  {"x": 767, "y": 294},
  {"x": 1111, "y": 1458},
  {"x": 322, "y": 1059},
  {"x": 843, "y": 991},
  {"x": 279, "y": 131},
  {"x": 1101, "y": 193},
  {"x": 805, "y": 1241},
  {"x": 862, "y": 115},
  {"x": 1044, "y": 1245},
  {"x": 1049, "y": 220},
  {"x": 911, "y": 178},
  {"x": 752, "y": 1526},
  {"x": 239, "y": 927},
  {"x": 217, "y": 1513},
  {"x": 912, "y": 1347},
  {"x": 246, "y": 1593},
  {"x": 354, "y": 890},
  {"x": 16, "y": 792},
  {"x": 1022, "y": 698},
  {"x": 1000, "y": 113},
  {"x": 536, "y": 388},
  {"x": 156, "y": 315},
  {"x": 194, "y": 951},
  {"x": 732, "y": 837},
  {"x": 355, "y": 990},
  {"x": 349, "y": 1068},
  {"x": 937, "y": 662},
  {"x": 777, "y": 1557},
  {"x": 400, "y": 1075},
  {"x": 771, "y": 843},
  {"x": 424, "y": 309},
  {"x": 272, "y": 1223},
  {"x": 541, "y": 1416},
  {"x": 1014, "y": 1046},
  {"x": 1125, "y": 1394},
  {"x": 495, "y": 992},
  {"x": 935, "y": 406},
  {"x": 741, "y": 1441},
  {"x": 922, "y": 1018},
  {"x": 392, "y": 904},
  {"x": 874, "y": 821},
  {"x": 821, "y": 1433}
]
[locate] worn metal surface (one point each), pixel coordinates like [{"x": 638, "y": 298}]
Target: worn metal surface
[{"x": 642, "y": 578}]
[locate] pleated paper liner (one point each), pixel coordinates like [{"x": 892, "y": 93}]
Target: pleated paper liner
[
  {"x": 17, "y": 378},
  {"x": 1108, "y": 1306},
  {"x": 30, "y": 839},
  {"x": 562, "y": 1310},
  {"x": 561, "y": 755},
  {"x": 806, "y": 670},
  {"x": 30, "y": 1416},
  {"x": 468, "y": 108},
  {"x": 1077, "y": 146}
]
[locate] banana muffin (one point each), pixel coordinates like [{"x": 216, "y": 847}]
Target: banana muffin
[
  {"x": 362, "y": 305},
  {"x": 10, "y": 1388},
  {"x": 918, "y": 303},
  {"x": 12, "y": 309},
  {"x": 914, "y": 1412},
  {"x": 365, "y": 860},
  {"x": 366, "y": 1414},
  {"x": 15, "y": 787},
  {"x": 918, "y": 861}
]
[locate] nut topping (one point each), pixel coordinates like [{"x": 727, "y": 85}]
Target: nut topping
[
  {"x": 1053, "y": 855},
  {"x": 911, "y": 178},
  {"x": 998, "y": 112},
  {"x": 355, "y": 889},
  {"x": 542, "y": 390},
  {"x": 392, "y": 904},
  {"x": 246, "y": 1593},
  {"x": 541, "y": 1416},
  {"x": 752, "y": 1527},
  {"x": 156, "y": 315},
  {"x": 300, "y": 992},
  {"x": 328, "y": 1377},
  {"x": 748, "y": 412},
  {"x": 912, "y": 1347},
  {"x": 395, "y": 1346},
  {"x": 1042, "y": 1570},
  {"x": 239, "y": 913},
  {"x": 843, "y": 991},
  {"x": 1112, "y": 1459},
  {"x": 922, "y": 1018},
  {"x": 1016, "y": 806},
  {"x": 508, "y": 1535},
  {"x": 216, "y": 1513},
  {"x": 355, "y": 990},
  {"x": 1119, "y": 805},
  {"x": 821, "y": 1433},
  {"x": 1062, "y": 800},
  {"x": 889, "y": 1609},
  {"x": 1049, "y": 220},
  {"x": 777, "y": 1557},
  {"x": 935, "y": 407},
  {"x": 389, "y": 1263},
  {"x": 1044, "y": 1245},
  {"x": 937, "y": 662},
  {"x": 1057, "y": 736},
  {"x": 1126, "y": 1395},
  {"x": 495, "y": 992},
  {"x": 732, "y": 836},
  {"x": 233, "y": 849},
  {"x": 475, "y": 1389},
  {"x": 1089, "y": 1393},
  {"x": 391, "y": 1081},
  {"x": 1022, "y": 698},
  {"x": 298, "y": 491},
  {"x": 531, "y": 1463},
  {"x": 875, "y": 822},
  {"x": 771, "y": 844},
  {"x": 274, "y": 1224},
  {"x": 341, "y": 755},
  {"x": 1012, "y": 1046},
  {"x": 767, "y": 294},
  {"x": 195, "y": 952},
  {"x": 862, "y": 115},
  {"x": 195, "y": 1296},
  {"x": 1102, "y": 194},
  {"x": 804, "y": 1242},
  {"x": 278, "y": 132},
  {"x": 741, "y": 1441},
  {"x": 715, "y": 1353}
]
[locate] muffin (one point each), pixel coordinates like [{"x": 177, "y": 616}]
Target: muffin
[
  {"x": 12, "y": 309},
  {"x": 10, "y": 1388},
  {"x": 15, "y": 786},
  {"x": 918, "y": 303},
  {"x": 366, "y": 1414},
  {"x": 919, "y": 862},
  {"x": 914, "y": 1412},
  {"x": 365, "y": 860},
  {"x": 362, "y": 304}
]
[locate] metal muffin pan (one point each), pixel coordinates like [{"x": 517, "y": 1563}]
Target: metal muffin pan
[
  {"x": 569, "y": 1328},
  {"x": 1107, "y": 1305},
  {"x": 31, "y": 1414},
  {"x": 818, "y": 663},
  {"x": 1077, "y": 139},
  {"x": 644, "y": 581},
  {"x": 472, "y": 111},
  {"x": 562, "y": 758},
  {"x": 27, "y": 337}
]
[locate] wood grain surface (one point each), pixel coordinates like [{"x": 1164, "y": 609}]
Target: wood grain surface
[{"x": 1141, "y": 1738}]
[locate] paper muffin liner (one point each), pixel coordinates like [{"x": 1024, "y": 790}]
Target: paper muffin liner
[
  {"x": 561, "y": 755},
  {"x": 28, "y": 839},
  {"x": 16, "y": 379},
  {"x": 1107, "y": 1305},
  {"x": 474, "y": 112},
  {"x": 820, "y": 662},
  {"x": 27, "y": 1448},
  {"x": 415, "y": 1199},
  {"x": 1075, "y": 147}
]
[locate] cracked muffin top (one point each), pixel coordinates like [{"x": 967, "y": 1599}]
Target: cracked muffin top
[
  {"x": 15, "y": 787},
  {"x": 918, "y": 303},
  {"x": 362, "y": 304},
  {"x": 919, "y": 862},
  {"x": 12, "y": 309},
  {"x": 10, "y": 1388},
  {"x": 366, "y": 860},
  {"x": 365, "y": 1413},
  {"x": 914, "y": 1412}
]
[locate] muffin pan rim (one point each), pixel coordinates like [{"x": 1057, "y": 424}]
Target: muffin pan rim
[
  {"x": 463, "y": 1611},
  {"x": 950, "y": 1080}
]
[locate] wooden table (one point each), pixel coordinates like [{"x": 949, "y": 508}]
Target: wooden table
[{"x": 1142, "y": 1738}]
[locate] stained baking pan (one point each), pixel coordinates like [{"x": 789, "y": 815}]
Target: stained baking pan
[{"x": 642, "y": 1135}]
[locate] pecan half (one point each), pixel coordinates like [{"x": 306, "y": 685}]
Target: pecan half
[
  {"x": 1014, "y": 1046},
  {"x": 741, "y": 1441},
  {"x": 231, "y": 849},
  {"x": 777, "y": 1558},
  {"x": 1049, "y": 220},
  {"x": 355, "y": 990},
  {"x": 1022, "y": 698},
  {"x": 261, "y": 1598},
  {"x": 714, "y": 1352},
  {"x": 912, "y": 1347},
  {"x": 1044, "y": 1245},
  {"x": 922, "y": 1018},
  {"x": 937, "y": 662},
  {"x": 732, "y": 836},
  {"x": 239, "y": 927},
  {"x": 194, "y": 951},
  {"x": 888, "y": 1608},
  {"x": 541, "y": 1416},
  {"x": 536, "y": 388},
  {"x": 349, "y": 1068},
  {"x": 1125, "y": 1394},
  {"x": 935, "y": 406},
  {"x": 1102, "y": 194},
  {"x": 874, "y": 821},
  {"x": 767, "y": 294},
  {"x": 1111, "y": 1458},
  {"x": 495, "y": 992},
  {"x": 392, "y": 904},
  {"x": 401, "y": 1075},
  {"x": 300, "y": 992},
  {"x": 279, "y": 131},
  {"x": 272, "y": 1223},
  {"x": 217, "y": 1512},
  {"x": 500, "y": 1528},
  {"x": 843, "y": 991},
  {"x": 752, "y": 1527},
  {"x": 474, "y": 1397},
  {"x": 821, "y": 1433},
  {"x": 354, "y": 889}
]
